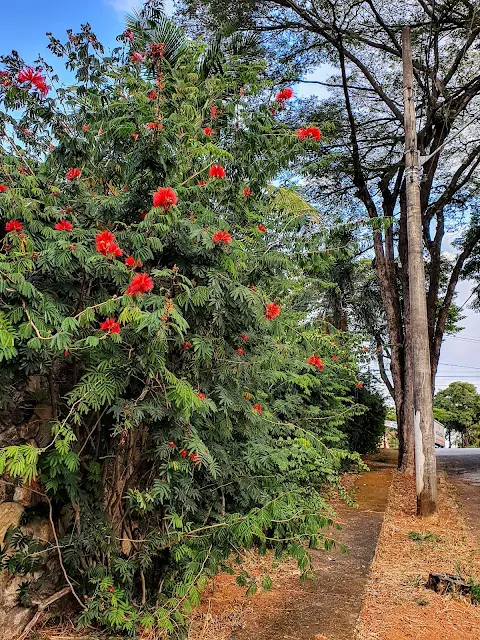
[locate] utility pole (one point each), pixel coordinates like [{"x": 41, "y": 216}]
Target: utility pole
[{"x": 425, "y": 461}]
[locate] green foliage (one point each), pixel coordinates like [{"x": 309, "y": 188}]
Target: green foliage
[
  {"x": 365, "y": 431},
  {"x": 171, "y": 448},
  {"x": 458, "y": 408}
]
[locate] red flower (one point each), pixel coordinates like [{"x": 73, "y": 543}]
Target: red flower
[
  {"x": 110, "y": 325},
  {"x": 222, "y": 236},
  {"x": 66, "y": 353},
  {"x": 202, "y": 183},
  {"x": 152, "y": 95},
  {"x": 171, "y": 445},
  {"x": 141, "y": 283},
  {"x": 216, "y": 171},
  {"x": 3, "y": 188},
  {"x": 194, "y": 457},
  {"x": 284, "y": 95},
  {"x": 137, "y": 56},
  {"x": 247, "y": 192},
  {"x": 240, "y": 351},
  {"x": 34, "y": 78},
  {"x": 215, "y": 112},
  {"x": 316, "y": 361},
  {"x": 111, "y": 589},
  {"x": 135, "y": 136},
  {"x": 258, "y": 408},
  {"x": 129, "y": 35},
  {"x": 359, "y": 385},
  {"x": 261, "y": 228},
  {"x": 105, "y": 244},
  {"x": 64, "y": 225},
  {"x": 201, "y": 395},
  {"x": 154, "y": 125},
  {"x": 335, "y": 358},
  {"x": 72, "y": 174},
  {"x": 183, "y": 453},
  {"x": 272, "y": 310},
  {"x": 208, "y": 131},
  {"x": 186, "y": 345},
  {"x": 85, "y": 127},
  {"x": 165, "y": 197},
  {"x": 244, "y": 337},
  {"x": 13, "y": 225},
  {"x": 131, "y": 262},
  {"x": 309, "y": 132},
  {"x": 144, "y": 215}
]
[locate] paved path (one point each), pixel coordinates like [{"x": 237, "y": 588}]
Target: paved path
[
  {"x": 463, "y": 469},
  {"x": 329, "y": 606}
]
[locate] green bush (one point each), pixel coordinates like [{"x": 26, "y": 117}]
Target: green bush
[{"x": 188, "y": 424}]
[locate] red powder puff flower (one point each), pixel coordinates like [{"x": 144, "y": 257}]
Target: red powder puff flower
[
  {"x": 359, "y": 385},
  {"x": 272, "y": 310},
  {"x": 194, "y": 457},
  {"x": 258, "y": 408},
  {"x": 186, "y": 345},
  {"x": 214, "y": 112},
  {"x": 34, "y": 78},
  {"x": 154, "y": 126},
  {"x": 72, "y": 174},
  {"x": 3, "y": 188},
  {"x": 244, "y": 337},
  {"x": 171, "y": 444},
  {"x": 216, "y": 171},
  {"x": 208, "y": 131},
  {"x": 129, "y": 35},
  {"x": 105, "y": 244},
  {"x": 309, "y": 132},
  {"x": 240, "y": 351},
  {"x": 261, "y": 228},
  {"x": 201, "y": 395},
  {"x": 85, "y": 127},
  {"x": 64, "y": 225},
  {"x": 135, "y": 136},
  {"x": 316, "y": 361},
  {"x": 13, "y": 225},
  {"x": 284, "y": 95},
  {"x": 165, "y": 197},
  {"x": 335, "y": 358},
  {"x": 183, "y": 453},
  {"x": 131, "y": 262},
  {"x": 247, "y": 192},
  {"x": 222, "y": 236},
  {"x": 110, "y": 325},
  {"x": 141, "y": 283},
  {"x": 137, "y": 56},
  {"x": 152, "y": 95}
]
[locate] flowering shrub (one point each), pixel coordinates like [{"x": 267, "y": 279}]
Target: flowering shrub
[{"x": 139, "y": 458}]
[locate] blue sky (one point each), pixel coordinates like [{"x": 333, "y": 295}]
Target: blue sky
[
  {"x": 25, "y": 22},
  {"x": 23, "y": 27}
]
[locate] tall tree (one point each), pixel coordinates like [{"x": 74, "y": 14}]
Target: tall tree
[
  {"x": 362, "y": 39},
  {"x": 458, "y": 407}
]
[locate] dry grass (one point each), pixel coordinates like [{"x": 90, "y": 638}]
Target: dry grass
[{"x": 397, "y": 605}]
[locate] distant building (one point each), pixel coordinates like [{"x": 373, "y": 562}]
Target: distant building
[{"x": 390, "y": 441}]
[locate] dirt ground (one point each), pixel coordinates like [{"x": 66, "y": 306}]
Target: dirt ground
[
  {"x": 313, "y": 610},
  {"x": 397, "y": 604}
]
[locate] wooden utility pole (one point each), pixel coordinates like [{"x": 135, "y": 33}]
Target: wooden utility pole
[{"x": 425, "y": 461}]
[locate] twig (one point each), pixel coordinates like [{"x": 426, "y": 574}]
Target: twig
[{"x": 41, "y": 608}]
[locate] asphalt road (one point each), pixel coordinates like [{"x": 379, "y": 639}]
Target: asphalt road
[{"x": 462, "y": 463}]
